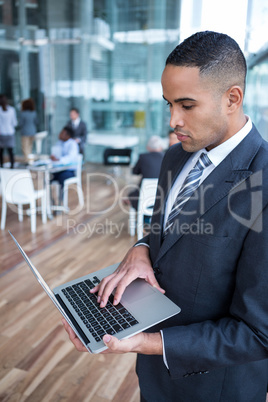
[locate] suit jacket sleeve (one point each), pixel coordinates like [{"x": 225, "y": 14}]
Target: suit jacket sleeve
[
  {"x": 137, "y": 167},
  {"x": 144, "y": 240},
  {"x": 83, "y": 133}
]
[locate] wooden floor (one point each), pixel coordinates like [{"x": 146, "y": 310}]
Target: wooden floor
[{"x": 38, "y": 362}]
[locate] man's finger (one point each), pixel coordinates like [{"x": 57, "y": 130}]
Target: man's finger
[
  {"x": 107, "y": 289},
  {"x": 73, "y": 338},
  {"x": 152, "y": 281},
  {"x": 121, "y": 287},
  {"x": 113, "y": 344}
]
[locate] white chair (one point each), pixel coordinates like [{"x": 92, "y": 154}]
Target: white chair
[
  {"x": 38, "y": 138},
  {"x": 146, "y": 202},
  {"x": 132, "y": 221},
  {"x": 17, "y": 188},
  {"x": 77, "y": 180}
]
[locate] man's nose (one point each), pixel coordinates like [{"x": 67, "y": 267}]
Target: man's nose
[{"x": 176, "y": 119}]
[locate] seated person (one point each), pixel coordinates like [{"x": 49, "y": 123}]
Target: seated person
[
  {"x": 148, "y": 166},
  {"x": 66, "y": 154}
]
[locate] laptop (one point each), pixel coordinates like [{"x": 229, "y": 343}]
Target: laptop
[{"x": 141, "y": 307}]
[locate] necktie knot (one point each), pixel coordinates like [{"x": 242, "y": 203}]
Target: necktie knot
[{"x": 203, "y": 162}]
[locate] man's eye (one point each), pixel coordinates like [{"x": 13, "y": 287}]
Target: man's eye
[
  {"x": 187, "y": 107},
  {"x": 168, "y": 104}
]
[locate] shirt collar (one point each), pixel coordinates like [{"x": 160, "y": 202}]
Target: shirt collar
[
  {"x": 76, "y": 121},
  {"x": 217, "y": 154}
]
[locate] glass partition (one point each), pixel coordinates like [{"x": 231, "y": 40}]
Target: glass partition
[
  {"x": 104, "y": 57},
  {"x": 256, "y": 100}
]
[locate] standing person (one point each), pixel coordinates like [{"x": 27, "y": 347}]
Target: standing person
[
  {"x": 207, "y": 249},
  {"x": 8, "y": 122},
  {"x": 79, "y": 127},
  {"x": 148, "y": 165},
  {"x": 66, "y": 154},
  {"x": 28, "y": 126}
]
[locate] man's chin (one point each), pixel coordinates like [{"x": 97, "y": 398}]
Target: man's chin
[{"x": 188, "y": 147}]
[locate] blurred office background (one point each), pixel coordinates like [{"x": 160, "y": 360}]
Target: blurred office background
[{"x": 106, "y": 58}]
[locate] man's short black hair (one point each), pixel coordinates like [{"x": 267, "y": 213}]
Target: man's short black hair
[
  {"x": 69, "y": 131},
  {"x": 75, "y": 110},
  {"x": 217, "y": 56}
]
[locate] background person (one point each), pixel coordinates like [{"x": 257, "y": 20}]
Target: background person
[
  {"x": 79, "y": 127},
  {"x": 66, "y": 154},
  {"x": 216, "y": 349},
  {"x": 8, "y": 122},
  {"x": 148, "y": 165},
  {"x": 28, "y": 126}
]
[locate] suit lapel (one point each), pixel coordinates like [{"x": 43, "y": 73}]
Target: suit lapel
[{"x": 232, "y": 170}]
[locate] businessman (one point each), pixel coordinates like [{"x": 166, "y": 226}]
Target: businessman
[
  {"x": 148, "y": 166},
  {"x": 207, "y": 248},
  {"x": 79, "y": 127}
]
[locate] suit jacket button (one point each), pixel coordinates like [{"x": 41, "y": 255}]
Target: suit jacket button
[{"x": 157, "y": 271}]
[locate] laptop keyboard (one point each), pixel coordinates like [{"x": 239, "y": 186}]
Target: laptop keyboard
[{"x": 100, "y": 321}]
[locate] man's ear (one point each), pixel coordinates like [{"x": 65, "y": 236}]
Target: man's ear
[{"x": 234, "y": 97}]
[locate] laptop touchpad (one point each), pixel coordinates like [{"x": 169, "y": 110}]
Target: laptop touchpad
[{"x": 136, "y": 291}]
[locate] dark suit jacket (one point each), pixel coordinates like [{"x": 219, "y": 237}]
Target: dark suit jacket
[
  {"x": 80, "y": 132},
  {"x": 215, "y": 267},
  {"x": 148, "y": 166}
]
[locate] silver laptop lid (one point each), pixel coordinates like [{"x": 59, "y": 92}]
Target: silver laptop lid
[{"x": 48, "y": 290}]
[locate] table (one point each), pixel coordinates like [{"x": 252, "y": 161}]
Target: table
[
  {"x": 47, "y": 170},
  {"x": 112, "y": 141}
]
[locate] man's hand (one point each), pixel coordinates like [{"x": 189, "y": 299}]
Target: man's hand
[
  {"x": 136, "y": 264},
  {"x": 149, "y": 344},
  {"x": 73, "y": 338},
  {"x": 53, "y": 158}
]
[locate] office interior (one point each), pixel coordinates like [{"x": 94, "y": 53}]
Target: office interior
[{"x": 104, "y": 57}]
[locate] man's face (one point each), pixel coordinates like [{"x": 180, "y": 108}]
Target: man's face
[
  {"x": 64, "y": 136},
  {"x": 197, "y": 115},
  {"x": 73, "y": 115}
]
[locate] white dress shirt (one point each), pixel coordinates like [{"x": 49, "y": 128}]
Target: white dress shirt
[
  {"x": 76, "y": 122},
  {"x": 67, "y": 153}
]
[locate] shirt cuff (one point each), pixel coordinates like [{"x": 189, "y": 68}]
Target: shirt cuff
[
  {"x": 141, "y": 244},
  {"x": 164, "y": 352}
]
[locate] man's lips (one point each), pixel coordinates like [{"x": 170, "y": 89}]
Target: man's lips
[{"x": 181, "y": 136}]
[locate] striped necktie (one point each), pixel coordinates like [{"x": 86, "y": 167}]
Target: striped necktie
[{"x": 188, "y": 187}]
